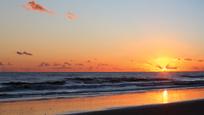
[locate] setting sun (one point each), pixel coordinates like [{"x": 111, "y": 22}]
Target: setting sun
[{"x": 164, "y": 64}]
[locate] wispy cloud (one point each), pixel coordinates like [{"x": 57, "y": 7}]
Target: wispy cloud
[
  {"x": 71, "y": 16},
  {"x": 102, "y": 64},
  {"x": 200, "y": 60},
  {"x": 34, "y": 6},
  {"x": 5, "y": 64},
  {"x": 159, "y": 67},
  {"x": 44, "y": 64},
  {"x": 64, "y": 66},
  {"x": 1, "y": 64},
  {"x": 168, "y": 66},
  {"x": 196, "y": 68},
  {"x": 148, "y": 63},
  {"x": 19, "y": 53},
  {"x": 56, "y": 64},
  {"x": 24, "y": 53},
  {"x": 9, "y": 64},
  {"x": 67, "y": 64},
  {"x": 88, "y": 61},
  {"x": 179, "y": 59},
  {"x": 27, "y": 53},
  {"x": 90, "y": 68},
  {"x": 79, "y": 64},
  {"x": 188, "y": 59}
]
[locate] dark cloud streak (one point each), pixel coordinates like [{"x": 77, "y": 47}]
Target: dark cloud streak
[
  {"x": 171, "y": 67},
  {"x": 1, "y": 64},
  {"x": 188, "y": 59},
  {"x": 19, "y": 53},
  {"x": 24, "y": 53},
  {"x": 34, "y": 6}
]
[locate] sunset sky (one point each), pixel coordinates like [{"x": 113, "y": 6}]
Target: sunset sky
[{"x": 102, "y": 35}]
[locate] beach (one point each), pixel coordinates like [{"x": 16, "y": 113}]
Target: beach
[
  {"x": 154, "y": 100},
  {"x": 102, "y": 57},
  {"x": 180, "y": 108}
]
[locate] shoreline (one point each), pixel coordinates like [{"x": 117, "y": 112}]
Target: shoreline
[
  {"x": 90, "y": 96},
  {"x": 178, "y": 108},
  {"x": 99, "y": 103}
]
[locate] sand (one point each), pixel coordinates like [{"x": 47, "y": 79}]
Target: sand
[
  {"x": 100, "y": 103},
  {"x": 180, "y": 108}
]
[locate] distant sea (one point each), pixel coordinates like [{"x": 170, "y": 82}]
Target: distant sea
[{"x": 23, "y": 86}]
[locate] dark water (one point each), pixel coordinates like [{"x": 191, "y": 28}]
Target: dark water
[{"x": 14, "y": 86}]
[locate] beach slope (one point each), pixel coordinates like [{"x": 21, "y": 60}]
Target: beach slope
[{"x": 195, "y": 107}]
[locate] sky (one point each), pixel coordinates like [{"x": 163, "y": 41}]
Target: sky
[{"x": 101, "y": 35}]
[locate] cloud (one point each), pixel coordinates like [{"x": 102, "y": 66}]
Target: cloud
[
  {"x": 148, "y": 63},
  {"x": 188, "y": 59},
  {"x": 88, "y": 61},
  {"x": 71, "y": 16},
  {"x": 79, "y": 64},
  {"x": 5, "y": 64},
  {"x": 200, "y": 60},
  {"x": 90, "y": 68},
  {"x": 63, "y": 67},
  {"x": 67, "y": 63},
  {"x": 44, "y": 64},
  {"x": 27, "y": 53},
  {"x": 9, "y": 64},
  {"x": 179, "y": 59},
  {"x": 64, "y": 64},
  {"x": 159, "y": 67},
  {"x": 56, "y": 64},
  {"x": 1, "y": 64},
  {"x": 171, "y": 67},
  {"x": 19, "y": 53},
  {"x": 196, "y": 68},
  {"x": 34, "y": 6},
  {"x": 102, "y": 64},
  {"x": 24, "y": 53}
]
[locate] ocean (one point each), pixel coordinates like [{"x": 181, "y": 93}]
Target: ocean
[{"x": 24, "y": 86}]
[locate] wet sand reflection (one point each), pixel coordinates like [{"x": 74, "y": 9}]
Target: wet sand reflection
[{"x": 57, "y": 106}]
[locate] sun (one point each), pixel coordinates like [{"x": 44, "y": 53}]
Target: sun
[
  {"x": 164, "y": 64},
  {"x": 163, "y": 61}
]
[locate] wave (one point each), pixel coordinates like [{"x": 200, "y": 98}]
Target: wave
[
  {"x": 192, "y": 76},
  {"x": 23, "y": 85},
  {"x": 95, "y": 80},
  {"x": 15, "y": 86}
]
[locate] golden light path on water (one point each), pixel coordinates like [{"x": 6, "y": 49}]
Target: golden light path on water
[
  {"x": 165, "y": 96},
  {"x": 57, "y": 106}
]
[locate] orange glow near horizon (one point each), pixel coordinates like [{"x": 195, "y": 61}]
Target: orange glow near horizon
[
  {"x": 164, "y": 63},
  {"x": 157, "y": 55}
]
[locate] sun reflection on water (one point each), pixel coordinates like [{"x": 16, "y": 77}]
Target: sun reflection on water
[{"x": 165, "y": 96}]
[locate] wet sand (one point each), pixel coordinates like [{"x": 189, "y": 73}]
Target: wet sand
[
  {"x": 195, "y": 107},
  {"x": 77, "y": 105}
]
